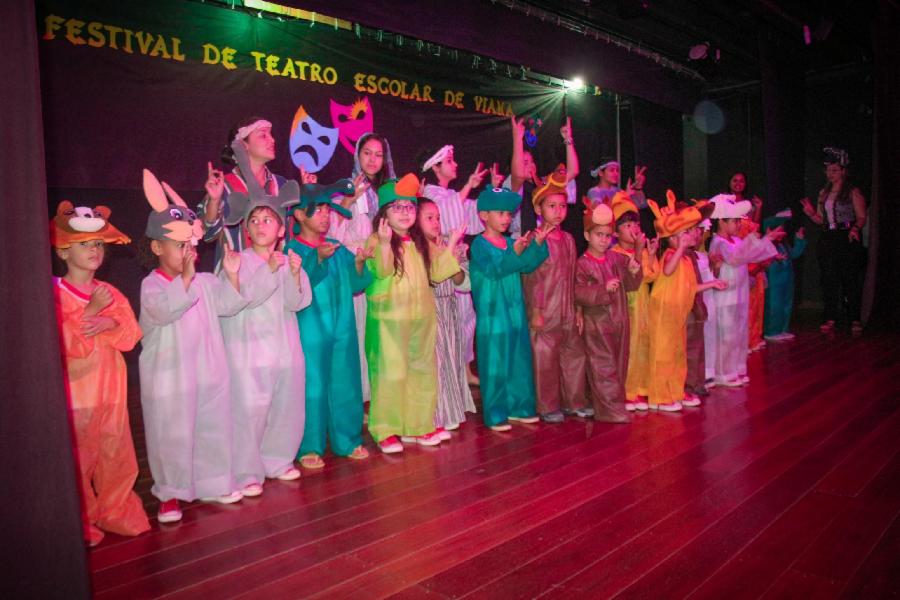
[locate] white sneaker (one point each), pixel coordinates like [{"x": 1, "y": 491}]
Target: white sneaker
[
  {"x": 443, "y": 434},
  {"x": 640, "y": 405},
  {"x": 226, "y": 499},
  {"x": 787, "y": 335},
  {"x": 731, "y": 383},
  {"x": 745, "y": 379},
  {"x": 691, "y": 400},
  {"x": 674, "y": 407},
  {"x": 252, "y": 490},
  {"x": 629, "y": 406},
  {"x": 452, "y": 427},
  {"x": 291, "y": 474}
]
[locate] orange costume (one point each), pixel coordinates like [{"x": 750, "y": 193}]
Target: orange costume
[
  {"x": 757, "y": 290},
  {"x": 638, "y": 378},
  {"x": 96, "y": 380},
  {"x": 671, "y": 301}
]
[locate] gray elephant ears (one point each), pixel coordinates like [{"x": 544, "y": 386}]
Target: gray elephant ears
[
  {"x": 238, "y": 204},
  {"x": 288, "y": 195},
  {"x": 255, "y": 190}
]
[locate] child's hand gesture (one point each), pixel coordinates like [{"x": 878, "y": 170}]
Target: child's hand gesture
[
  {"x": 612, "y": 285},
  {"x": 518, "y": 127},
  {"x": 537, "y": 320},
  {"x": 639, "y": 177},
  {"x": 776, "y": 235},
  {"x": 325, "y": 251},
  {"x": 496, "y": 176},
  {"x": 276, "y": 260},
  {"x": 91, "y": 326},
  {"x": 640, "y": 242},
  {"x": 541, "y": 233},
  {"x": 101, "y": 297},
  {"x": 808, "y": 209},
  {"x": 566, "y": 131},
  {"x": 362, "y": 254},
  {"x": 757, "y": 202},
  {"x": 579, "y": 320},
  {"x": 461, "y": 252},
  {"x": 801, "y": 234},
  {"x": 384, "y": 232},
  {"x": 633, "y": 266},
  {"x": 683, "y": 242},
  {"x": 523, "y": 242},
  {"x": 455, "y": 236},
  {"x": 477, "y": 175},
  {"x": 231, "y": 262},
  {"x": 307, "y": 177},
  {"x": 189, "y": 262},
  {"x": 653, "y": 245},
  {"x": 215, "y": 182},
  {"x": 718, "y": 284},
  {"x": 295, "y": 263}
]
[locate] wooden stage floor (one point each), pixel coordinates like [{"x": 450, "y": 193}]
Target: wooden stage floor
[{"x": 789, "y": 488}]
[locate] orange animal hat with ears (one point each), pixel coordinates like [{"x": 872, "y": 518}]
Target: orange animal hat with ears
[
  {"x": 597, "y": 214},
  {"x": 676, "y": 217},
  {"x": 74, "y": 224},
  {"x": 621, "y": 203},
  {"x": 555, "y": 185}
]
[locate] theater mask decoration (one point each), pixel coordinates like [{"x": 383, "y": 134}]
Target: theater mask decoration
[
  {"x": 311, "y": 144},
  {"x": 352, "y": 121}
]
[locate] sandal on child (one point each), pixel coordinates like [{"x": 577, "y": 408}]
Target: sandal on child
[
  {"x": 359, "y": 453},
  {"x": 312, "y": 461}
]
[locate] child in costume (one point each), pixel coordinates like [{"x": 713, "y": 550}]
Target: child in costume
[
  {"x": 757, "y": 278},
  {"x": 401, "y": 325},
  {"x": 628, "y": 234},
  {"x": 457, "y": 209},
  {"x": 558, "y": 350},
  {"x": 185, "y": 382},
  {"x": 695, "y": 380},
  {"x": 707, "y": 265},
  {"x": 220, "y": 221},
  {"x": 96, "y": 325},
  {"x": 732, "y": 303},
  {"x": 454, "y": 395},
  {"x": 670, "y": 303},
  {"x": 334, "y": 396},
  {"x": 504, "y": 348},
  {"x": 780, "y": 292},
  {"x": 602, "y": 279},
  {"x": 262, "y": 342},
  {"x": 372, "y": 166}
]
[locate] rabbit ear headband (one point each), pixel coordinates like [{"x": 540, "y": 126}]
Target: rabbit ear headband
[
  {"x": 243, "y": 132},
  {"x": 171, "y": 218}
]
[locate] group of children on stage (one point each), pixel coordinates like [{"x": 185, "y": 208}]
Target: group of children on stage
[{"x": 248, "y": 369}]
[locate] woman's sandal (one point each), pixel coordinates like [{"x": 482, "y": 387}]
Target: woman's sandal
[{"x": 358, "y": 453}]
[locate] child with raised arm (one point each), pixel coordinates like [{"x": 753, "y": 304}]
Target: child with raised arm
[
  {"x": 671, "y": 300},
  {"x": 628, "y": 236},
  {"x": 454, "y": 395},
  {"x": 504, "y": 348},
  {"x": 334, "y": 401},
  {"x": 262, "y": 341},
  {"x": 401, "y": 325},
  {"x": 96, "y": 324},
  {"x": 602, "y": 280},
  {"x": 780, "y": 291},
  {"x": 185, "y": 379},
  {"x": 558, "y": 350}
]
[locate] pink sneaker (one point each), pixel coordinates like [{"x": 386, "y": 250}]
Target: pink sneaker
[
  {"x": 443, "y": 434},
  {"x": 429, "y": 439},
  {"x": 169, "y": 511},
  {"x": 391, "y": 445}
]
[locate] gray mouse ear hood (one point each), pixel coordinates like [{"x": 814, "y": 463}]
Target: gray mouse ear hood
[{"x": 240, "y": 205}]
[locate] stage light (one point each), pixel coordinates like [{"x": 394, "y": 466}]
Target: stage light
[
  {"x": 576, "y": 83},
  {"x": 699, "y": 51}
]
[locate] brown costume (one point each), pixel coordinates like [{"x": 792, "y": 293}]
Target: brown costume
[{"x": 696, "y": 349}]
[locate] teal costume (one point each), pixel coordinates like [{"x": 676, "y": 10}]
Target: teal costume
[
  {"x": 334, "y": 406},
  {"x": 501, "y": 328},
  {"x": 780, "y": 291}
]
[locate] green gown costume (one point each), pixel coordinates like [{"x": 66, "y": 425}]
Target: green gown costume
[
  {"x": 401, "y": 330},
  {"x": 780, "y": 289},
  {"x": 503, "y": 344},
  {"x": 334, "y": 405}
]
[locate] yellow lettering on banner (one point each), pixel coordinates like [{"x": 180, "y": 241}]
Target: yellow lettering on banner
[
  {"x": 358, "y": 81},
  {"x": 315, "y": 73},
  {"x": 329, "y": 75},
  {"x": 288, "y": 70},
  {"x": 96, "y": 39},
  {"x": 113, "y": 32},
  {"x": 426, "y": 94},
  {"x": 272, "y": 65},
  {"x": 144, "y": 40},
  {"x": 159, "y": 48},
  {"x": 176, "y": 50},
  {"x": 228, "y": 58},
  {"x": 302, "y": 64},
  {"x": 129, "y": 34},
  {"x": 383, "y": 86},
  {"x": 212, "y": 56},
  {"x": 73, "y": 29},
  {"x": 375, "y": 84},
  {"x": 454, "y": 99},
  {"x": 52, "y": 23},
  {"x": 258, "y": 56}
]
